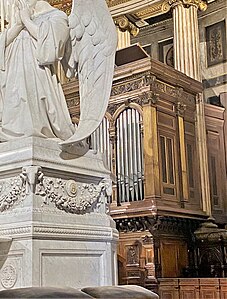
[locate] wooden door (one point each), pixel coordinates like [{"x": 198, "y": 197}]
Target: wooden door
[{"x": 173, "y": 257}]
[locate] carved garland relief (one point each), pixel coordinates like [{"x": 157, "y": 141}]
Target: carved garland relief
[{"x": 67, "y": 195}]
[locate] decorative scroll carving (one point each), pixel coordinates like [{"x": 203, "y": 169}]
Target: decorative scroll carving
[
  {"x": 135, "y": 224},
  {"x": 157, "y": 225},
  {"x": 133, "y": 84},
  {"x": 124, "y": 24},
  {"x": 149, "y": 98},
  {"x": 148, "y": 79},
  {"x": 198, "y": 3}
]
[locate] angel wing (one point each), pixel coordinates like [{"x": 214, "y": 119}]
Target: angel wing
[{"x": 94, "y": 42}]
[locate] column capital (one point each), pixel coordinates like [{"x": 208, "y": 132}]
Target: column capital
[
  {"x": 200, "y": 4},
  {"x": 123, "y": 23},
  {"x": 149, "y": 98}
]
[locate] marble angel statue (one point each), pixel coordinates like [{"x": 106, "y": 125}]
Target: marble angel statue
[{"x": 35, "y": 38}]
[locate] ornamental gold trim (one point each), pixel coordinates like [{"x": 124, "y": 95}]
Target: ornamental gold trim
[
  {"x": 154, "y": 9},
  {"x": 200, "y": 4}
]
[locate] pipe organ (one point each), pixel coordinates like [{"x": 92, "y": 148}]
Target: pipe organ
[
  {"x": 149, "y": 140},
  {"x": 100, "y": 141},
  {"x": 129, "y": 157}
]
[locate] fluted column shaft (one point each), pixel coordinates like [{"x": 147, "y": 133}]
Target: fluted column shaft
[
  {"x": 124, "y": 39},
  {"x": 186, "y": 40},
  {"x": 187, "y": 60}
]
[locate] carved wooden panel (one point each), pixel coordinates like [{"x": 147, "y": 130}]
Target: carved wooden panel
[
  {"x": 192, "y": 164},
  {"x": 223, "y": 288},
  {"x": 216, "y": 43},
  {"x": 209, "y": 289},
  {"x": 136, "y": 259},
  {"x": 168, "y": 154},
  {"x": 169, "y": 289},
  {"x": 132, "y": 254},
  {"x": 189, "y": 288},
  {"x": 216, "y": 156}
]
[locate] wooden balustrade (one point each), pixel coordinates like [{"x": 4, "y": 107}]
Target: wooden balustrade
[{"x": 193, "y": 288}]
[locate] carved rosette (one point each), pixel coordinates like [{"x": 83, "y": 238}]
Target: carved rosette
[{"x": 8, "y": 276}]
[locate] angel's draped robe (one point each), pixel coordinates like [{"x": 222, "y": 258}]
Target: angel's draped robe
[{"x": 32, "y": 100}]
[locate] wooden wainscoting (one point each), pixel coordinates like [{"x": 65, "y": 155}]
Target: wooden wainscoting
[{"x": 193, "y": 288}]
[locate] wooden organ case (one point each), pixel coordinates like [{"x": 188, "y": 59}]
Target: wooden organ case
[{"x": 149, "y": 141}]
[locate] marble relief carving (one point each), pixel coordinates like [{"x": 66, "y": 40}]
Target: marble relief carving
[
  {"x": 12, "y": 190},
  {"x": 67, "y": 195},
  {"x": 70, "y": 196},
  {"x": 8, "y": 276},
  {"x": 216, "y": 43}
]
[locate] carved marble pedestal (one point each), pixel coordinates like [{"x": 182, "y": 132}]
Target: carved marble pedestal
[{"x": 54, "y": 230}]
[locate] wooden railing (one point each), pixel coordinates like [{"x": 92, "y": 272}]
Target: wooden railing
[{"x": 193, "y": 288}]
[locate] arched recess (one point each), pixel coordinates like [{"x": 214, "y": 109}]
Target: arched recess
[
  {"x": 100, "y": 140},
  {"x": 129, "y": 153}
]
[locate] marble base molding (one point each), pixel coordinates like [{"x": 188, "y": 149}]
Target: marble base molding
[{"x": 54, "y": 226}]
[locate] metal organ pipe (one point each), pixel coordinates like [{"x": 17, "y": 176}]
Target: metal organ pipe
[
  {"x": 100, "y": 141},
  {"x": 125, "y": 151},
  {"x": 129, "y": 153},
  {"x": 129, "y": 156},
  {"x": 135, "y": 154},
  {"x": 140, "y": 155}
]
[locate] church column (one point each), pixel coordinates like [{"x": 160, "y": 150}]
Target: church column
[
  {"x": 186, "y": 36},
  {"x": 124, "y": 30},
  {"x": 187, "y": 60}
]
